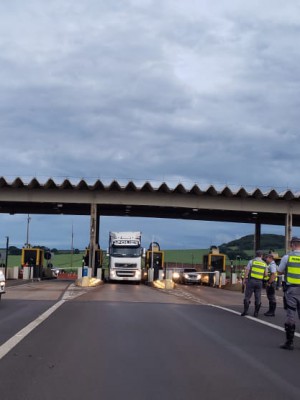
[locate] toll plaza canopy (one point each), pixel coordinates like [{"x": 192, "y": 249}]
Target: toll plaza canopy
[
  {"x": 162, "y": 201},
  {"x": 193, "y": 203}
]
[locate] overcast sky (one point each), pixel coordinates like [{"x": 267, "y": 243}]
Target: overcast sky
[{"x": 174, "y": 91}]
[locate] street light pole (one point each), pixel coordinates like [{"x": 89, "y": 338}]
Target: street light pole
[{"x": 27, "y": 233}]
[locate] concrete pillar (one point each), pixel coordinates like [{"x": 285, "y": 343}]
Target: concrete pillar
[
  {"x": 99, "y": 273},
  {"x": 233, "y": 278},
  {"x": 27, "y": 272},
  {"x": 169, "y": 274},
  {"x": 150, "y": 274},
  {"x": 288, "y": 231},
  {"x": 223, "y": 279},
  {"x": 94, "y": 237},
  {"x": 217, "y": 278},
  {"x": 257, "y": 236}
]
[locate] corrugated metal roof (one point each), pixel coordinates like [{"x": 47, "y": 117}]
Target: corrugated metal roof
[{"x": 147, "y": 187}]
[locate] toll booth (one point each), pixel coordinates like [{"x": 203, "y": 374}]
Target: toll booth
[
  {"x": 155, "y": 259},
  {"x": 34, "y": 259},
  {"x": 98, "y": 258},
  {"x": 212, "y": 262}
]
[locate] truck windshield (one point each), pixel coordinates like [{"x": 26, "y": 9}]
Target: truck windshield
[{"x": 126, "y": 251}]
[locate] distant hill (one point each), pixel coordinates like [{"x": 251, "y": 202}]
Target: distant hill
[
  {"x": 237, "y": 251},
  {"x": 244, "y": 246},
  {"x": 266, "y": 241}
]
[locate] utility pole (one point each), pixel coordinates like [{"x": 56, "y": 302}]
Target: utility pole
[{"x": 27, "y": 232}]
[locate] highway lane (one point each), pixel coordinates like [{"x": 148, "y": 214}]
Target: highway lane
[
  {"x": 24, "y": 302},
  {"x": 233, "y": 300},
  {"x": 136, "y": 342}
]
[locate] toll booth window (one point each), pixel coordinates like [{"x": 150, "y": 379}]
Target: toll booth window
[
  {"x": 30, "y": 257},
  {"x": 217, "y": 263}
]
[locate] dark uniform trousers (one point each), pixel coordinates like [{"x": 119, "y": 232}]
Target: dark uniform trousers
[{"x": 253, "y": 286}]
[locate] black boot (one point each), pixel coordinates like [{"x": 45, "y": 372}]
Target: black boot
[
  {"x": 246, "y": 308},
  {"x": 289, "y": 332},
  {"x": 257, "y": 307},
  {"x": 271, "y": 312}
]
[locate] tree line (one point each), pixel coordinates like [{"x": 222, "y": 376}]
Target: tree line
[{"x": 15, "y": 251}]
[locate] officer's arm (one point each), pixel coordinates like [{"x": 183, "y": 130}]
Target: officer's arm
[
  {"x": 247, "y": 270},
  {"x": 272, "y": 278},
  {"x": 282, "y": 265}
]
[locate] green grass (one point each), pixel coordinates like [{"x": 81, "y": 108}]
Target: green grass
[
  {"x": 191, "y": 256},
  {"x": 60, "y": 260}
]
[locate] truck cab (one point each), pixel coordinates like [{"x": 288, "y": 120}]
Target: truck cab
[{"x": 125, "y": 256}]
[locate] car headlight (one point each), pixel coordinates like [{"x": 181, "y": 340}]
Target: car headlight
[
  {"x": 175, "y": 275},
  {"x": 198, "y": 277},
  {"x": 186, "y": 276}
]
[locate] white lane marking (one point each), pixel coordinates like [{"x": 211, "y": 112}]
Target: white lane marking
[
  {"x": 69, "y": 294},
  {"x": 13, "y": 341},
  {"x": 180, "y": 293}
]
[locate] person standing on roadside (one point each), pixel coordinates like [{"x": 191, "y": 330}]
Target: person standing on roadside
[
  {"x": 256, "y": 270},
  {"x": 271, "y": 284},
  {"x": 290, "y": 267}
]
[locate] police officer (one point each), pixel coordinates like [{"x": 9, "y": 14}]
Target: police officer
[
  {"x": 290, "y": 267},
  {"x": 271, "y": 284},
  {"x": 256, "y": 270}
]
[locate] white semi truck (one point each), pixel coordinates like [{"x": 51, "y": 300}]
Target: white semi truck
[{"x": 125, "y": 256}]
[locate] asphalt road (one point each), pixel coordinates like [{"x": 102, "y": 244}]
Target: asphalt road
[{"x": 135, "y": 342}]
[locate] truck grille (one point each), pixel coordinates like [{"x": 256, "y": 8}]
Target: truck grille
[
  {"x": 125, "y": 274},
  {"x": 126, "y": 266}
]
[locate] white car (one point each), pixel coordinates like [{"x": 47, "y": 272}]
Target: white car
[
  {"x": 2, "y": 283},
  {"x": 190, "y": 276}
]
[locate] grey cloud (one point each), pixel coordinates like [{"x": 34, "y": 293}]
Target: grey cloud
[{"x": 158, "y": 90}]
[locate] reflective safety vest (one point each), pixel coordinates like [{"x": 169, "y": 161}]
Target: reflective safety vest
[
  {"x": 293, "y": 270},
  {"x": 266, "y": 278},
  {"x": 258, "y": 269}
]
